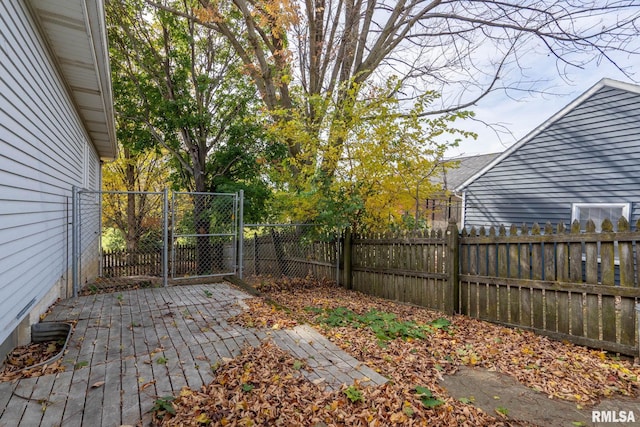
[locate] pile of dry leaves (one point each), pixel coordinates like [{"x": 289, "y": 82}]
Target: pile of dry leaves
[
  {"x": 264, "y": 315},
  {"x": 559, "y": 369},
  {"x": 21, "y": 358},
  {"x": 264, "y": 387}
]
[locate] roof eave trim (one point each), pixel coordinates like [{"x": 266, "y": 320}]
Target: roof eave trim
[
  {"x": 539, "y": 129},
  {"x": 96, "y": 24}
]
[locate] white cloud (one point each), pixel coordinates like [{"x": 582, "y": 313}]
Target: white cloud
[{"x": 521, "y": 116}]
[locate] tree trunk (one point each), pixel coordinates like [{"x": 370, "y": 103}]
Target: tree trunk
[
  {"x": 132, "y": 235},
  {"x": 202, "y": 223}
]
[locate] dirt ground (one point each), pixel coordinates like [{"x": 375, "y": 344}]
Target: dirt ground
[{"x": 501, "y": 395}]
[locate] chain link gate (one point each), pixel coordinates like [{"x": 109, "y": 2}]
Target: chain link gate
[
  {"x": 139, "y": 239},
  {"x": 204, "y": 234}
]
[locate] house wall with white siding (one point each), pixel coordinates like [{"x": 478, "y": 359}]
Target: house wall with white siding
[
  {"x": 589, "y": 154},
  {"x": 44, "y": 152}
]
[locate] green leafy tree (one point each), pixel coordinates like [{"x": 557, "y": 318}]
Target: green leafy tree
[
  {"x": 179, "y": 86},
  {"x": 127, "y": 206},
  {"x": 310, "y": 60},
  {"x": 387, "y": 167}
]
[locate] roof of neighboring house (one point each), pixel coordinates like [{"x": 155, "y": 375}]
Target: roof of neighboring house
[
  {"x": 466, "y": 167},
  {"x": 76, "y": 35},
  {"x": 549, "y": 122}
]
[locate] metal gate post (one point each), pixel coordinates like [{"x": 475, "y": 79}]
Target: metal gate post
[
  {"x": 75, "y": 240},
  {"x": 165, "y": 237},
  {"x": 240, "y": 233}
]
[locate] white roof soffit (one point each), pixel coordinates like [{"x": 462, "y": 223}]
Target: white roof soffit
[
  {"x": 560, "y": 114},
  {"x": 76, "y": 33}
]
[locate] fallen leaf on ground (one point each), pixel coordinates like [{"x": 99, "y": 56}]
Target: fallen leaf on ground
[{"x": 262, "y": 387}]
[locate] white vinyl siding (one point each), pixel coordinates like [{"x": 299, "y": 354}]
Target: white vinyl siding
[{"x": 42, "y": 155}]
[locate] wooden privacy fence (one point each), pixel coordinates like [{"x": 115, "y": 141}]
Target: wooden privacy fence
[
  {"x": 124, "y": 263},
  {"x": 415, "y": 268},
  {"x": 577, "y": 286},
  {"x": 570, "y": 285}
]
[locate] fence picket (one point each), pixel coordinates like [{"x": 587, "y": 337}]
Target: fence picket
[
  {"x": 607, "y": 257},
  {"x": 637, "y": 263},
  {"x": 625, "y": 255},
  {"x": 562, "y": 298},
  {"x": 514, "y": 272},
  {"x": 575, "y": 255}
]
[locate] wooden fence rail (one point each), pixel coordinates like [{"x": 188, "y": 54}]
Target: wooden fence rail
[
  {"x": 568, "y": 284},
  {"x": 121, "y": 263},
  {"x": 418, "y": 268},
  {"x": 580, "y": 286}
]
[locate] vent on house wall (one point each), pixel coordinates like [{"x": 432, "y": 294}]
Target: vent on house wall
[{"x": 26, "y": 307}]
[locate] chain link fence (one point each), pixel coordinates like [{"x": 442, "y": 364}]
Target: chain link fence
[
  {"x": 87, "y": 242},
  {"x": 122, "y": 239},
  {"x": 290, "y": 250},
  {"x": 204, "y": 234},
  {"x": 143, "y": 239}
]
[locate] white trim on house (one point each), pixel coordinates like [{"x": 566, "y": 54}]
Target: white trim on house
[
  {"x": 463, "y": 207},
  {"x": 560, "y": 114},
  {"x": 75, "y": 35}
]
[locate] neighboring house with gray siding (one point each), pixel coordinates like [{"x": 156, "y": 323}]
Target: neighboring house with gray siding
[
  {"x": 453, "y": 172},
  {"x": 56, "y": 123},
  {"x": 584, "y": 162}
]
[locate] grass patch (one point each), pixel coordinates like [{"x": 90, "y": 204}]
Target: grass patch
[{"x": 385, "y": 326}]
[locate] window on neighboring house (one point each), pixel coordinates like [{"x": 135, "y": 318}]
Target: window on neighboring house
[{"x": 598, "y": 212}]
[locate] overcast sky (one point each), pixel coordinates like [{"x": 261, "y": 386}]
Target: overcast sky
[{"x": 523, "y": 115}]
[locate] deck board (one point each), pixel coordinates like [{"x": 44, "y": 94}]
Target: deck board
[
  {"x": 77, "y": 393},
  {"x": 111, "y": 403},
  {"x": 129, "y": 348},
  {"x": 39, "y": 402},
  {"x": 130, "y": 392},
  {"x": 18, "y": 401},
  {"x": 57, "y": 399}
]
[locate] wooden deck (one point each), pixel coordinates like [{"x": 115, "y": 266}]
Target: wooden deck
[{"x": 129, "y": 348}]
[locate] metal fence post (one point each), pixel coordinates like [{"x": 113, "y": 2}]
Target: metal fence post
[
  {"x": 75, "y": 240},
  {"x": 240, "y": 233},
  {"x": 165, "y": 238}
]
